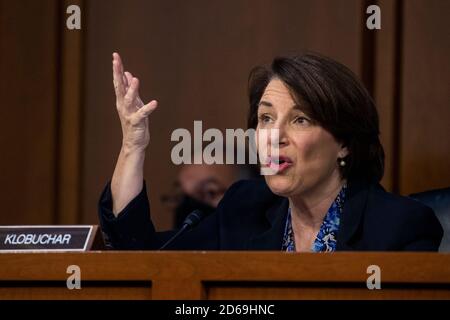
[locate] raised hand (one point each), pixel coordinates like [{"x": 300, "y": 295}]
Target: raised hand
[
  {"x": 127, "y": 180},
  {"x": 133, "y": 113}
]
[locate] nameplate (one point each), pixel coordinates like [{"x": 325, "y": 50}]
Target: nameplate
[{"x": 47, "y": 238}]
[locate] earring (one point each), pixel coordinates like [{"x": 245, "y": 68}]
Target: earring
[{"x": 342, "y": 163}]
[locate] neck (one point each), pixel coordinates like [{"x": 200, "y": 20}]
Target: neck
[{"x": 309, "y": 209}]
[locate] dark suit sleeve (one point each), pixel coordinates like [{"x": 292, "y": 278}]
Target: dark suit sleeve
[
  {"x": 133, "y": 229},
  {"x": 423, "y": 231}
]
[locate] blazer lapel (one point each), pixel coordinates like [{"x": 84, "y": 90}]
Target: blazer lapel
[
  {"x": 354, "y": 206},
  {"x": 271, "y": 239}
]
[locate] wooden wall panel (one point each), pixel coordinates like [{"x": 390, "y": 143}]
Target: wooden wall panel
[
  {"x": 425, "y": 111},
  {"x": 70, "y": 125},
  {"x": 385, "y": 83},
  {"x": 194, "y": 57},
  {"x": 28, "y": 111}
]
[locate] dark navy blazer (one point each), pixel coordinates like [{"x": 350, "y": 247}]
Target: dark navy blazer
[{"x": 251, "y": 217}]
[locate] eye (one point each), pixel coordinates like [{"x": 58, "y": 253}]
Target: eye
[
  {"x": 302, "y": 120},
  {"x": 264, "y": 118}
]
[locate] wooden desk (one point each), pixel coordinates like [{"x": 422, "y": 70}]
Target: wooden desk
[{"x": 224, "y": 275}]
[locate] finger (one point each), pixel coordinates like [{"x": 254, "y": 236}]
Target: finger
[
  {"x": 128, "y": 77},
  {"x": 132, "y": 92},
  {"x": 139, "y": 103},
  {"x": 119, "y": 85},
  {"x": 125, "y": 82},
  {"x": 117, "y": 57},
  {"x": 147, "y": 109}
]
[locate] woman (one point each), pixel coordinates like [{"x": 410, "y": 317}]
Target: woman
[{"x": 325, "y": 195}]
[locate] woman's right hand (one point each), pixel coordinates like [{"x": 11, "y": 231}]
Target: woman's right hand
[
  {"x": 133, "y": 113},
  {"x": 127, "y": 180}
]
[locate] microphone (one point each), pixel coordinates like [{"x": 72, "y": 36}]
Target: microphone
[{"x": 190, "y": 222}]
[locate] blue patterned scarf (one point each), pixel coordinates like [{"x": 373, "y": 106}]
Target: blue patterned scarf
[{"x": 326, "y": 238}]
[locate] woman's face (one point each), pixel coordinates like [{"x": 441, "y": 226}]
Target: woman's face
[{"x": 308, "y": 153}]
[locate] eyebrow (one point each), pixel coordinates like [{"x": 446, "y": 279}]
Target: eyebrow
[
  {"x": 269, "y": 104},
  {"x": 265, "y": 103}
]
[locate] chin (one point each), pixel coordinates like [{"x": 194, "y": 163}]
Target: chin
[{"x": 279, "y": 185}]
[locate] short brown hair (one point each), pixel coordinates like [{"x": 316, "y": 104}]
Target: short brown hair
[{"x": 330, "y": 94}]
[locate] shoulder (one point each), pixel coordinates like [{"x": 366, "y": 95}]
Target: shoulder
[
  {"x": 249, "y": 193},
  {"x": 252, "y": 187},
  {"x": 401, "y": 218},
  {"x": 396, "y": 206}
]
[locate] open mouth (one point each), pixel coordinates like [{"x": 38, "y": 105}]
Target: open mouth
[
  {"x": 279, "y": 161},
  {"x": 279, "y": 164}
]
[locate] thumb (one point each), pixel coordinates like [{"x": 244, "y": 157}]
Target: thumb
[{"x": 147, "y": 109}]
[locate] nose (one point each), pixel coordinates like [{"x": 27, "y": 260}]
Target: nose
[
  {"x": 282, "y": 136},
  {"x": 270, "y": 140}
]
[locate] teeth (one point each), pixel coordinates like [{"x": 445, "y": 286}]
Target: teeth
[{"x": 277, "y": 161}]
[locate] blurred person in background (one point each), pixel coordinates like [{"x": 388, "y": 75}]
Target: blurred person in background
[{"x": 202, "y": 186}]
